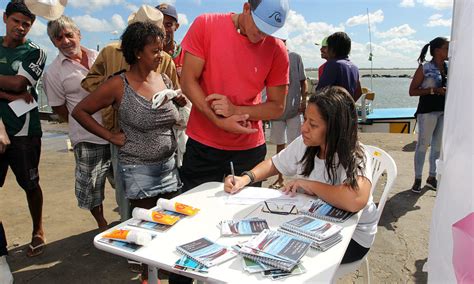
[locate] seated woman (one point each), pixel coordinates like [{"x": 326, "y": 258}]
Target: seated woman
[
  {"x": 147, "y": 164},
  {"x": 327, "y": 161}
]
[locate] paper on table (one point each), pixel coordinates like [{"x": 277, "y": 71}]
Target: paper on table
[
  {"x": 20, "y": 107},
  {"x": 253, "y": 195}
]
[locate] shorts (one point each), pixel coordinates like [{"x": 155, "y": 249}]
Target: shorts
[
  {"x": 92, "y": 167},
  {"x": 202, "y": 163},
  {"x": 22, "y": 155},
  {"x": 285, "y": 131},
  {"x": 146, "y": 181}
]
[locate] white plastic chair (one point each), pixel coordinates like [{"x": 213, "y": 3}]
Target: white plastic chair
[{"x": 381, "y": 162}]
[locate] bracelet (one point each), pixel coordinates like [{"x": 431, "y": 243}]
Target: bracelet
[{"x": 251, "y": 176}]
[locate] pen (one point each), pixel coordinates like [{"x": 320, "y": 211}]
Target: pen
[{"x": 232, "y": 171}]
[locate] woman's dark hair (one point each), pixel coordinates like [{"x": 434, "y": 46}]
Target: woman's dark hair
[
  {"x": 434, "y": 44},
  {"x": 18, "y": 6},
  {"x": 337, "y": 109},
  {"x": 136, "y": 36},
  {"x": 339, "y": 43}
]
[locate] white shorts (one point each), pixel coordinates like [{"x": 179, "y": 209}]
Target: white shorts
[{"x": 285, "y": 131}]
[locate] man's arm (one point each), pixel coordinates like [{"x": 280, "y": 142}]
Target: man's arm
[
  {"x": 192, "y": 70},
  {"x": 271, "y": 109},
  {"x": 14, "y": 84},
  {"x": 4, "y": 140},
  {"x": 62, "y": 112},
  {"x": 304, "y": 90}
]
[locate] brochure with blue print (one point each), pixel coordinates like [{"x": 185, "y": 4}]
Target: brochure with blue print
[
  {"x": 206, "y": 252},
  {"x": 312, "y": 228},
  {"x": 253, "y": 226},
  {"x": 320, "y": 209},
  {"x": 185, "y": 263},
  {"x": 277, "y": 249}
]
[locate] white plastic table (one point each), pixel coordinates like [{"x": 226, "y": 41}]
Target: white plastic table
[{"x": 210, "y": 198}]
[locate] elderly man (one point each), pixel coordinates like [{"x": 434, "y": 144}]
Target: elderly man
[
  {"x": 21, "y": 65},
  {"x": 62, "y": 84},
  {"x": 229, "y": 59},
  {"x": 109, "y": 62}
]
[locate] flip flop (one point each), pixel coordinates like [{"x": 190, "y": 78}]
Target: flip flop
[
  {"x": 277, "y": 185},
  {"x": 38, "y": 249}
]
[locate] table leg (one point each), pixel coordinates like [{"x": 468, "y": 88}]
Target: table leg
[{"x": 152, "y": 275}]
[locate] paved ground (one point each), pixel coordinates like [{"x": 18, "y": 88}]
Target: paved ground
[{"x": 399, "y": 253}]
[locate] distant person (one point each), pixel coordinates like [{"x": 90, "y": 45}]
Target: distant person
[
  {"x": 62, "y": 85},
  {"x": 324, "y": 55},
  {"x": 429, "y": 82},
  {"x": 339, "y": 70},
  {"x": 171, "y": 24},
  {"x": 328, "y": 163},
  {"x": 21, "y": 67},
  {"x": 287, "y": 127},
  {"x": 147, "y": 162},
  {"x": 229, "y": 59},
  {"x": 110, "y": 62}
]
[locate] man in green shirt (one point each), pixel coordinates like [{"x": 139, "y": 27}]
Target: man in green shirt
[{"x": 21, "y": 65}]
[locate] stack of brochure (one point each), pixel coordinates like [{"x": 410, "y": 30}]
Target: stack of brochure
[
  {"x": 206, "y": 252},
  {"x": 323, "y": 234},
  {"x": 276, "y": 249},
  {"x": 252, "y": 266},
  {"x": 320, "y": 209},
  {"x": 252, "y": 226}
]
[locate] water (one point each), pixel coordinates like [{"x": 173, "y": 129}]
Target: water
[{"x": 389, "y": 92}]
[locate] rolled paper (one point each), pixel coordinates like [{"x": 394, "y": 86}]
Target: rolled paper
[
  {"x": 154, "y": 216},
  {"x": 129, "y": 236},
  {"x": 177, "y": 207}
]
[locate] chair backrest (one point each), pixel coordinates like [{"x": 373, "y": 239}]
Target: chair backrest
[{"x": 382, "y": 162}]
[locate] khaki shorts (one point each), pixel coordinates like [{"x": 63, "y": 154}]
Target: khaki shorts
[{"x": 285, "y": 131}]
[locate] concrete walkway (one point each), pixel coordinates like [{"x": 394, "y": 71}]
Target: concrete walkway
[{"x": 399, "y": 253}]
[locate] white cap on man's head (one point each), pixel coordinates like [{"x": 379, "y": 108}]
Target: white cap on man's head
[
  {"x": 270, "y": 17},
  {"x": 147, "y": 13}
]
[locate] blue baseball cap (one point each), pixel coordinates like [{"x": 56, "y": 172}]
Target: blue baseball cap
[
  {"x": 270, "y": 16},
  {"x": 169, "y": 10}
]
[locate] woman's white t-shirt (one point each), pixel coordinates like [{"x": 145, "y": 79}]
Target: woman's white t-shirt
[{"x": 288, "y": 163}]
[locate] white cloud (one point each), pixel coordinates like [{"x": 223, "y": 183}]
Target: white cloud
[
  {"x": 437, "y": 4},
  {"x": 407, "y": 3},
  {"x": 91, "y": 24},
  {"x": 132, "y": 7},
  {"x": 183, "y": 19},
  {"x": 400, "y": 31},
  {"x": 118, "y": 22},
  {"x": 407, "y": 45},
  {"x": 437, "y": 20},
  {"x": 94, "y": 5},
  {"x": 376, "y": 17},
  {"x": 38, "y": 29}
]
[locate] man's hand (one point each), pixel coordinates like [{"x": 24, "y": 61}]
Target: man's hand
[
  {"x": 4, "y": 140},
  {"x": 117, "y": 139},
  {"x": 26, "y": 96},
  {"x": 236, "y": 124},
  {"x": 221, "y": 105}
]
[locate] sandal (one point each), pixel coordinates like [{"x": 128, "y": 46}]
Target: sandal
[
  {"x": 38, "y": 249},
  {"x": 277, "y": 185}
]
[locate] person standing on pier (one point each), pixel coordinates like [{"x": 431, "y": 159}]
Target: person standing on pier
[
  {"x": 429, "y": 83},
  {"x": 62, "y": 84},
  {"x": 21, "y": 65}
]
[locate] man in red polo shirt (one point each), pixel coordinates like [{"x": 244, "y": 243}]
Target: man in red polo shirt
[{"x": 229, "y": 59}]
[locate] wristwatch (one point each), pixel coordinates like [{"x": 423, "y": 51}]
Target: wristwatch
[
  {"x": 250, "y": 175},
  {"x": 431, "y": 91}
]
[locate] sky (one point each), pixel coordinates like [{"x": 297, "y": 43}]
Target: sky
[{"x": 398, "y": 28}]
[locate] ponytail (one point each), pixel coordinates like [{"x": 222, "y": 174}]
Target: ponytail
[{"x": 424, "y": 50}]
